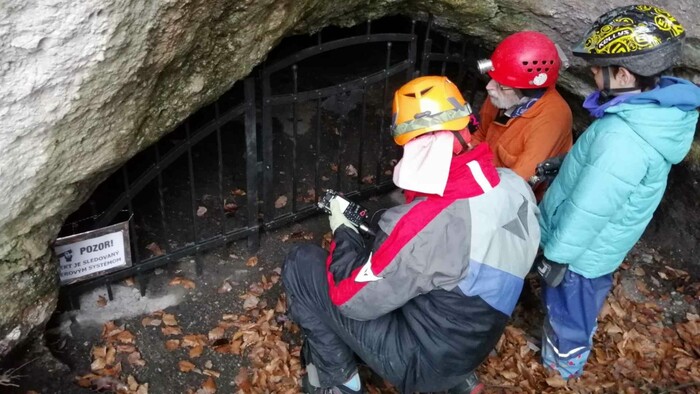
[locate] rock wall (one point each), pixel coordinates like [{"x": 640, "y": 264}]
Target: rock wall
[{"x": 85, "y": 85}]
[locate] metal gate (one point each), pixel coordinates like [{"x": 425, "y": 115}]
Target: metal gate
[{"x": 325, "y": 112}]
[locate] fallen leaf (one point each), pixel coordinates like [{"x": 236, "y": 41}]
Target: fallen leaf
[
  {"x": 210, "y": 372},
  {"x": 196, "y": 351},
  {"x": 201, "y": 211},
  {"x": 133, "y": 384},
  {"x": 169, "y": 319},
  {"x": 368, "y": 180},
  {"x": 125, "y": 337},
  {"x": 350, "y": 170},
  {"x": 280, "y": 202},
  {"x": 230, "y": 207},
  {"x": 172, "y": 344},
  {"x": 242, "y": 381},
  {"x": 129, "y": 281},
  {"x": 98, "y": 364},
  {"x": 101, "y": 301},
  {"x": 209, "y": 387},
  {"x": 155, "y": 249},
  {"x": 298, "y": 236},
  {"x": 334, "y": 167},
  {"x": 185, "y": 366},
  {"x": 238, "y": 192},
  {"x": 108, "y": 383},
  {"x": 225, "y": 288},
  {"x": 99, "y": 351},
  {"x": 184, "y": 282},
  {"x": 193, "y": 340},
  {"x": 639, "y": 271},
  {"x": 135, "y": 359},
  {"x": 251, "y": 302},
  {"x": 111, "y": 355},
  {"x": 556, "y": 381},
  {"x": 150, "y": 321},
  {"x": 252, "y": 262},
  {"x": 171, "y": 330},
  {"x": 216, "y": 333}
]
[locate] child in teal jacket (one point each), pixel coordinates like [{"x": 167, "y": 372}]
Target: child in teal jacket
[{"x": 614, "y": 177}]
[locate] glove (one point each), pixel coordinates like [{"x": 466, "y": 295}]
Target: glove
[
  {"x": 547, "y": 170},
  {"x": 551, "y": 271},
  {"x": 337, "y": 218}
]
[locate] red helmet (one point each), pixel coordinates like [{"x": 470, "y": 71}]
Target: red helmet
[{"x": 525, "y": 60}]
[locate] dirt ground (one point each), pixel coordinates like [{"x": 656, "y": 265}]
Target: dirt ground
[{"x": 225, "y": 331}]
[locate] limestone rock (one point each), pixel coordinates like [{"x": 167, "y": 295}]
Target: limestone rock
[{"x": 85, "y": 85}]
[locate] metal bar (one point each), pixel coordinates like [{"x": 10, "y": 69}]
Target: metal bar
[
  {"x": 317, "y": 171},
  {"x": 412, "y": 53},
  {"x": 447, "y": 54},
  {"x": 193, "y": 199},
  {"x": 267, "y": 143},
  {"x": 251, "y": 143},
  {"x": 110, "y": 295},
  {"x": 329, "y": 91},
  {"x": 333, "y": 45},
  {"x": 132, "y": 232},
  {"x": 427, "y": 45},
  {"x": 220, "y": 163},
  {"x": 383, "y": 116},
  {"x": 161, "y": 198},
  {"x": 295, "y": 120},
  {"x": 460, "y": 64},
  {"x": 363, "y": 125}
]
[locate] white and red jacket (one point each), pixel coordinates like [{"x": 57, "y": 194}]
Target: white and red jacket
[{"x": 465, "y": 253}]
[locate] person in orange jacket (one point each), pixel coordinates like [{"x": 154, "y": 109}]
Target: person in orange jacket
[{"x": 524, "y": 120}]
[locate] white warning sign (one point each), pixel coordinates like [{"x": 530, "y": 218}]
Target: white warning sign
[{"x": 94, "y": 252}]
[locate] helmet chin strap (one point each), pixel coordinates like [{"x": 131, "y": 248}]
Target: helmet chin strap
[{"x": 608, "y": 93}]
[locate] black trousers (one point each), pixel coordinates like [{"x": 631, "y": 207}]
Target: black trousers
[{"x": 387, "y": 344}]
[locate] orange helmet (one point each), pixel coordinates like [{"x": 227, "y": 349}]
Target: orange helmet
[{"x": 428, "y": 104}]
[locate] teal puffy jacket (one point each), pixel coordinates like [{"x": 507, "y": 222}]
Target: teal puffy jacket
[{"x": 612, "y": 180}]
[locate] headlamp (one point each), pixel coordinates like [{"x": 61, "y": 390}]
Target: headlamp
[{"x": 484, "y": 65}]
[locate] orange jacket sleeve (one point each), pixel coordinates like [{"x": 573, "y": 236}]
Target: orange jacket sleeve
[{"x": 548, "y": 136}]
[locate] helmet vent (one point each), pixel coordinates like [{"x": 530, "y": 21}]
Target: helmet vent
[
  {"x": 529, "y": 70},
  {"x": 539, "y": 69},
  {"x": 525, "y": 63},
  {"x": 412, "y": 95},
  {"x": 424, "y": 91}
]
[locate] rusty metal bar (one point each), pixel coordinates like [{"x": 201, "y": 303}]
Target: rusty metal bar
[
  {"x": 295, "y": 121},
  {"x": 251, "y": 143}
]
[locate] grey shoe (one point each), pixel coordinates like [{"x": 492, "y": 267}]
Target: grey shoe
[
  {"x": 470, "y": 385},
  {"x": 308, "y": 388}
]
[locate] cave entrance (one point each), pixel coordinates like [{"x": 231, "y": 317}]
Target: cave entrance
[{"x": 313, "y": 116}]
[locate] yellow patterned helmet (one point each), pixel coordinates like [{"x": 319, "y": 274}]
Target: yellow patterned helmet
[
  {"x": 642, "y": 38},
  {"x": 428, "y": 104}
]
